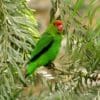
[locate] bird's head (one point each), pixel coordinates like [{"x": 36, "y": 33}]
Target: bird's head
[{"x": 59, "y": 25}]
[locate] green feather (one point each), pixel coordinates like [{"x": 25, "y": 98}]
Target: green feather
[{"x": 46, "y": 49}]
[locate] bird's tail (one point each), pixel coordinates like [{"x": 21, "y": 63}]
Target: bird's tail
[{"x": 31, "y": 67}]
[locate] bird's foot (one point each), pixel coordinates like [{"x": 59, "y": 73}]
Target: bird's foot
[{"x": 50, "y": 66}]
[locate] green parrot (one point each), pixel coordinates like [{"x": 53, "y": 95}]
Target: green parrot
[{"x": 46, "y": 48}]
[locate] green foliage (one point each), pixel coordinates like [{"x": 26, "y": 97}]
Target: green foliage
[
  {"x": 82, "y": 30},
  {"x": 80, "y": 66},
  {"x": 17, "y": 38}
]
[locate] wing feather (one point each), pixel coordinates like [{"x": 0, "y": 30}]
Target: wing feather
[{"x": 43, "y": 44}]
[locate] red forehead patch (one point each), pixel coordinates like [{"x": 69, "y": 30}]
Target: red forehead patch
[
  {"x": 59, "y": 25},
  {"x": 58, "y": 22}
]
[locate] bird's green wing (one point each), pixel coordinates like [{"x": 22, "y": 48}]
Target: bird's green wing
[{"x": 43, "y": 44}]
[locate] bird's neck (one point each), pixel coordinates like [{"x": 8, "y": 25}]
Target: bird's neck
[{"x": 52, "y": 29}]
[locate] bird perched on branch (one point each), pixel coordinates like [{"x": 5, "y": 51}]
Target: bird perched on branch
[{"x": 46, "y": 48}]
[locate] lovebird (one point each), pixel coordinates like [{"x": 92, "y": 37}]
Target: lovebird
[{"x": 46, "y": 48}]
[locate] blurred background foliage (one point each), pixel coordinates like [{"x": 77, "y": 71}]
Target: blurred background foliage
[
  {"x": 78, "y": 75},
  {"x": 18, "y": 35}
]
